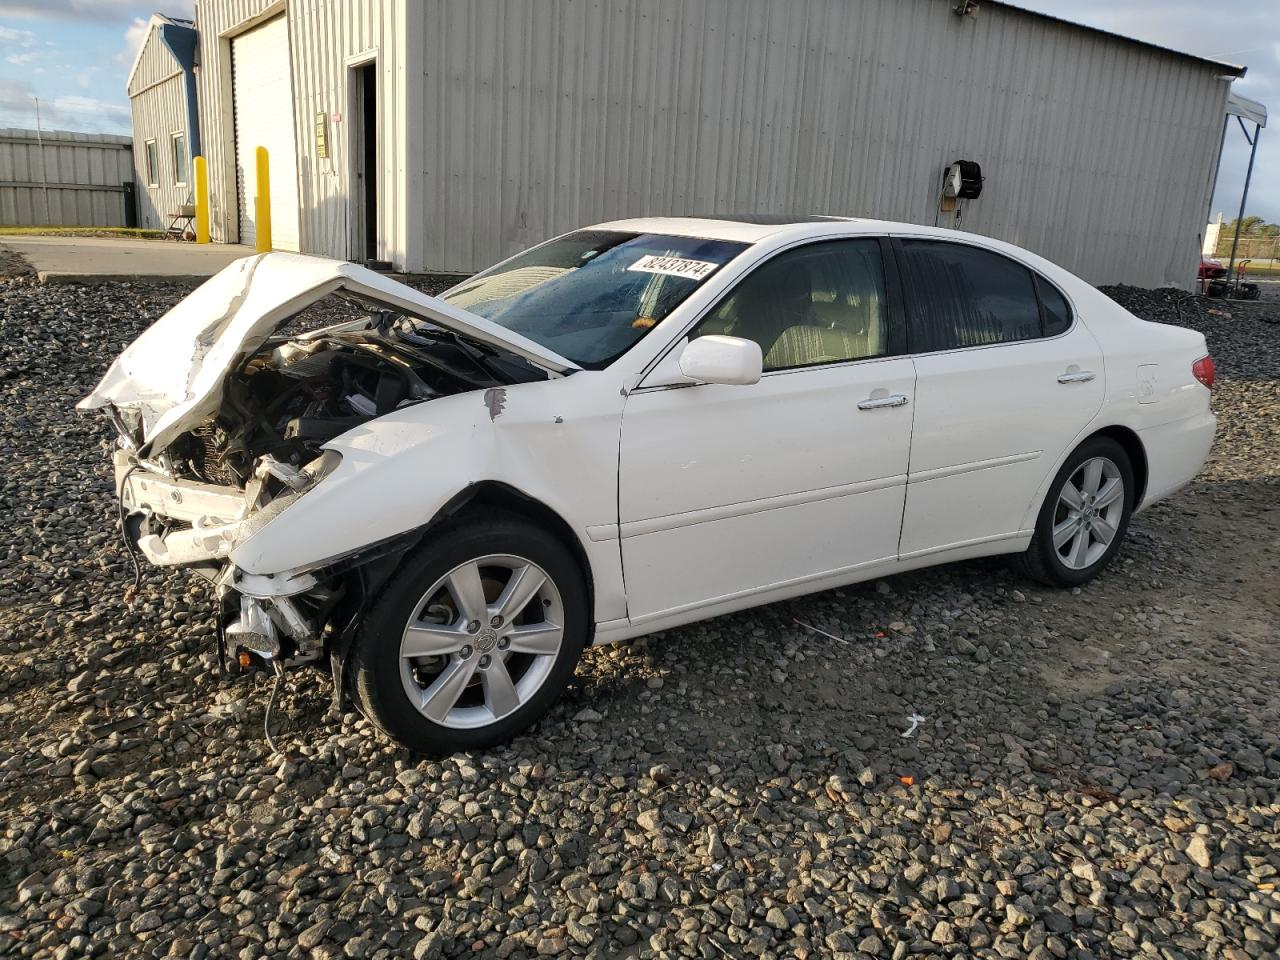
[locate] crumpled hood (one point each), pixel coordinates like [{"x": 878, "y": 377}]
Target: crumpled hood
[{"x": 173, "y": 375}]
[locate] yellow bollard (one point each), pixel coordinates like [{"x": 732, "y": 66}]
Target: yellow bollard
[
  {"x": 262, "y": 208},
  {"x": 202, "y": 201}
]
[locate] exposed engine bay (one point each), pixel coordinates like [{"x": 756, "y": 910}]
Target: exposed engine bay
[
  {"x": 296, "y": 394},
  {"x": 213, "y": 486}
]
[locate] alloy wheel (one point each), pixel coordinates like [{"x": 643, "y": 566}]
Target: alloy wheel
[
  {"x": 1088, "y": 513},
  {"x": 482, "y": 641}
]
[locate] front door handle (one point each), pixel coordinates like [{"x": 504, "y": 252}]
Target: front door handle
[
  {"x": 1076, "y": 376},
  {"x": 879, "y": 403}
]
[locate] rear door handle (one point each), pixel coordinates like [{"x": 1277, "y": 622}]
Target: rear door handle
[
  {"x": 879, "y": 403},
  {"x": 1077, "y": 376}
]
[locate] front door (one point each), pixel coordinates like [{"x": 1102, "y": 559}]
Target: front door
[
  {"x": 726, "y": 491},
  {"x": 1005, "y": 383}
]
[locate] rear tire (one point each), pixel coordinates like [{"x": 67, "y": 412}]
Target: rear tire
[
  {"x": 1084, "y": 517},
  {"x": 461, "y": 649}
]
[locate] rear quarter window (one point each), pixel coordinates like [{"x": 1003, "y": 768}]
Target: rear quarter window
[{"x": 1057, "y": 312}]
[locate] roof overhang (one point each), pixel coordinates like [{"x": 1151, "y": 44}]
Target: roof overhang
[
  {"x": 1224, "y": 69},
  {"x": 1251, "y": 110}
]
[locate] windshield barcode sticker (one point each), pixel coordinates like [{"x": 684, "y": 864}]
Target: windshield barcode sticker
[{"x": 674, "y": 266}]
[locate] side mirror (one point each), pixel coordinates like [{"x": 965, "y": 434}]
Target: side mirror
[{"x": 728, "y": 360}]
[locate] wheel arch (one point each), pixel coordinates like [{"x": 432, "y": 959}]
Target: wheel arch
[
  {"x": 494, "y": 494},
  {"x": 1131, "y": 443},
  {"x": 1118, "y": 433}
]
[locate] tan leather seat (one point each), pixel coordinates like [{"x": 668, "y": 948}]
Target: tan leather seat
[{"x": 842, "y": 332}]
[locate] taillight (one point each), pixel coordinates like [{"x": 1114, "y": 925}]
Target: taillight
[{"x": 1204, "y": 371}]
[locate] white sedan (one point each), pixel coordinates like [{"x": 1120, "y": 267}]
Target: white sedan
[{"x": 627, "y": 428}]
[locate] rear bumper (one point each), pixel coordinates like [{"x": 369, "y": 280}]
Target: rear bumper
[{"x": 1176, "y": 452}]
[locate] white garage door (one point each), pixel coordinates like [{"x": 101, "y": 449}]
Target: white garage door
[{"x": 262, "y": 96}]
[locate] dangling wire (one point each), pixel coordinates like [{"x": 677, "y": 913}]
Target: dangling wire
[
  {"x": 271, "y": 705},
  {"x": 124, "y": 535},
  {"x": 222, "y": 640}
]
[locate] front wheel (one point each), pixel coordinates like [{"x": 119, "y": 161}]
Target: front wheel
[
  {"x": 1084, "y": 517},
  {"x": 473, "y": 639}
]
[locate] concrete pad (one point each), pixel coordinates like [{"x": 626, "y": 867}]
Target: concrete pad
[{"x": 115, "y": 259}]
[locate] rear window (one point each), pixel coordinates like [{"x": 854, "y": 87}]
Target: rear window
[{"x": 592, "y": 295}]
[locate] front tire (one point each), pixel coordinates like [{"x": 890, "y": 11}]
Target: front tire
[
  {"x": 1084, "y": 517},
  {"x": 473, "y": 639}
]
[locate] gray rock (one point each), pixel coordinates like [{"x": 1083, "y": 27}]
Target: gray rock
[{"x": 1198, "y": 852}]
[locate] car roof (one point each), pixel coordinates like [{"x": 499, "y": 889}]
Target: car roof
[
  {"x": 753, "y": 228},
  {"x": 742, "y": 228},
  {"x": 780, "y": 230}
]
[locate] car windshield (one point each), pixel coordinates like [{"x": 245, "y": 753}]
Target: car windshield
[{"x": 590, "y": 296}]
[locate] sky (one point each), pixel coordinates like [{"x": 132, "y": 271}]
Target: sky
[{"x": 75, "y": 56}]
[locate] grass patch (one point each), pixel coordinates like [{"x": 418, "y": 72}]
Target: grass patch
[
  {"x": 81, "y": 232},
  {"x": 1265, "y": 271}
]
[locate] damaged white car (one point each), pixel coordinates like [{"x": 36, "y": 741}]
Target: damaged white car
[{"x": 628, "y": 428}]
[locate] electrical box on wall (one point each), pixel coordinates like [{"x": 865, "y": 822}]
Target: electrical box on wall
[{"x": 962, "y": 180}]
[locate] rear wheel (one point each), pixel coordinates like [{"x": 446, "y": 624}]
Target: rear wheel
[
  {"x": 473, "y": 639},
  {"x": 1084, "y": 517}
]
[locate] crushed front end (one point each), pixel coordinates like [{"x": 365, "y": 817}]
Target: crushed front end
[
  {"x": 174, "y": 517},
  {"x": 223, "y": 423}
]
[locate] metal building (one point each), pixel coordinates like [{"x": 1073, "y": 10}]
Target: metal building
[
  {"x": 166, "y": 124},
  {"x": 445, "y": 134},
  {"x": 54, "y": 177}
]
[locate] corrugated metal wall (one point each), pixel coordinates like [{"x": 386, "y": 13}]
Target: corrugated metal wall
[
  {"x": 326, "y": 39},
  {"x": 155, "y": 64},
  {"x": 63, "y": 179},
  {"x": 158, "y": 99},
  {"x": 530, "y": 118}
]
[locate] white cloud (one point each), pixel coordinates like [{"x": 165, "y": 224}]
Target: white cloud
[
  {"x": 100, "y": 10},
  {"x": 20, "y": 48},
  {"x": 86, "y": 114},
  {"x": 15, "y": 37},
  {"x": 133, "y": 38}
]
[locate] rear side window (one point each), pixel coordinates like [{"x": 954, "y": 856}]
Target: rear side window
[
  {"x": 964, "y": 296},
  {"x": 1057, "y": 312}
]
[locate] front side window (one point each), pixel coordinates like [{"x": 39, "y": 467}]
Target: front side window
[
  {"x": 964, "y": 296},
  {"x": 179, "y": 143},
  {"x": 820, "y": 303},
  {"x": 591, "y": 295},
  {"x": 153, "y": 164}
]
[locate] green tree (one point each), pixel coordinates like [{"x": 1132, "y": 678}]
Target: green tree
[{"x": 1252, "y": 227}]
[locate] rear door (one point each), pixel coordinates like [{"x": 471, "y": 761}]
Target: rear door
[{"x": 1006, "y": 380}]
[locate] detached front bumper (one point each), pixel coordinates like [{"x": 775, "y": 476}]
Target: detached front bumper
[
  {"x": 208, "y": 518},
  {"x": 202, "y": 523}
]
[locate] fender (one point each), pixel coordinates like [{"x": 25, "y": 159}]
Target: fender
[{"x": 401, "y": 472}]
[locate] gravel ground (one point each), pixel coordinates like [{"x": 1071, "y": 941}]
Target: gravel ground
[{"x": 1095, "y": 774}]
